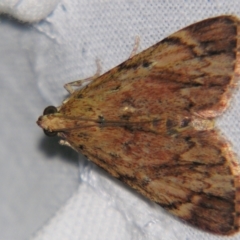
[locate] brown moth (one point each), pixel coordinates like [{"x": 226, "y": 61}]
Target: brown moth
[{"x": 150, "y": 123}]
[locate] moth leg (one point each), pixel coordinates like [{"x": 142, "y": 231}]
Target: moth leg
[
  {"x": 135, "y": 47},
  {"x": 79, "y": 83},
  {"x": 66, "y": 143}
]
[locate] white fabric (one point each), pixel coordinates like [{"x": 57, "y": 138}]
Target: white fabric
[
  {"x": 28, "y": 11},
  {"x": 42, "y": 196}
]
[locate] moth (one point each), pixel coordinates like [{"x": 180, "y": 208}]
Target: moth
[{"x": 150, "y": 123}]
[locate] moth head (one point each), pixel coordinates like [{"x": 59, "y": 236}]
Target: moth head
[{"x": 42, "y": 121}]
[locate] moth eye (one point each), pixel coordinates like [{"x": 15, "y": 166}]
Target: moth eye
[
  {"x": 49, "y": 134},
  {"x": 49, "y": 110}
]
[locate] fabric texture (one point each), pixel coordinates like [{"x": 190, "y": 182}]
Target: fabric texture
[
  {"x": 28, "y": 11},
  {"x": 47, "y": 190}
]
